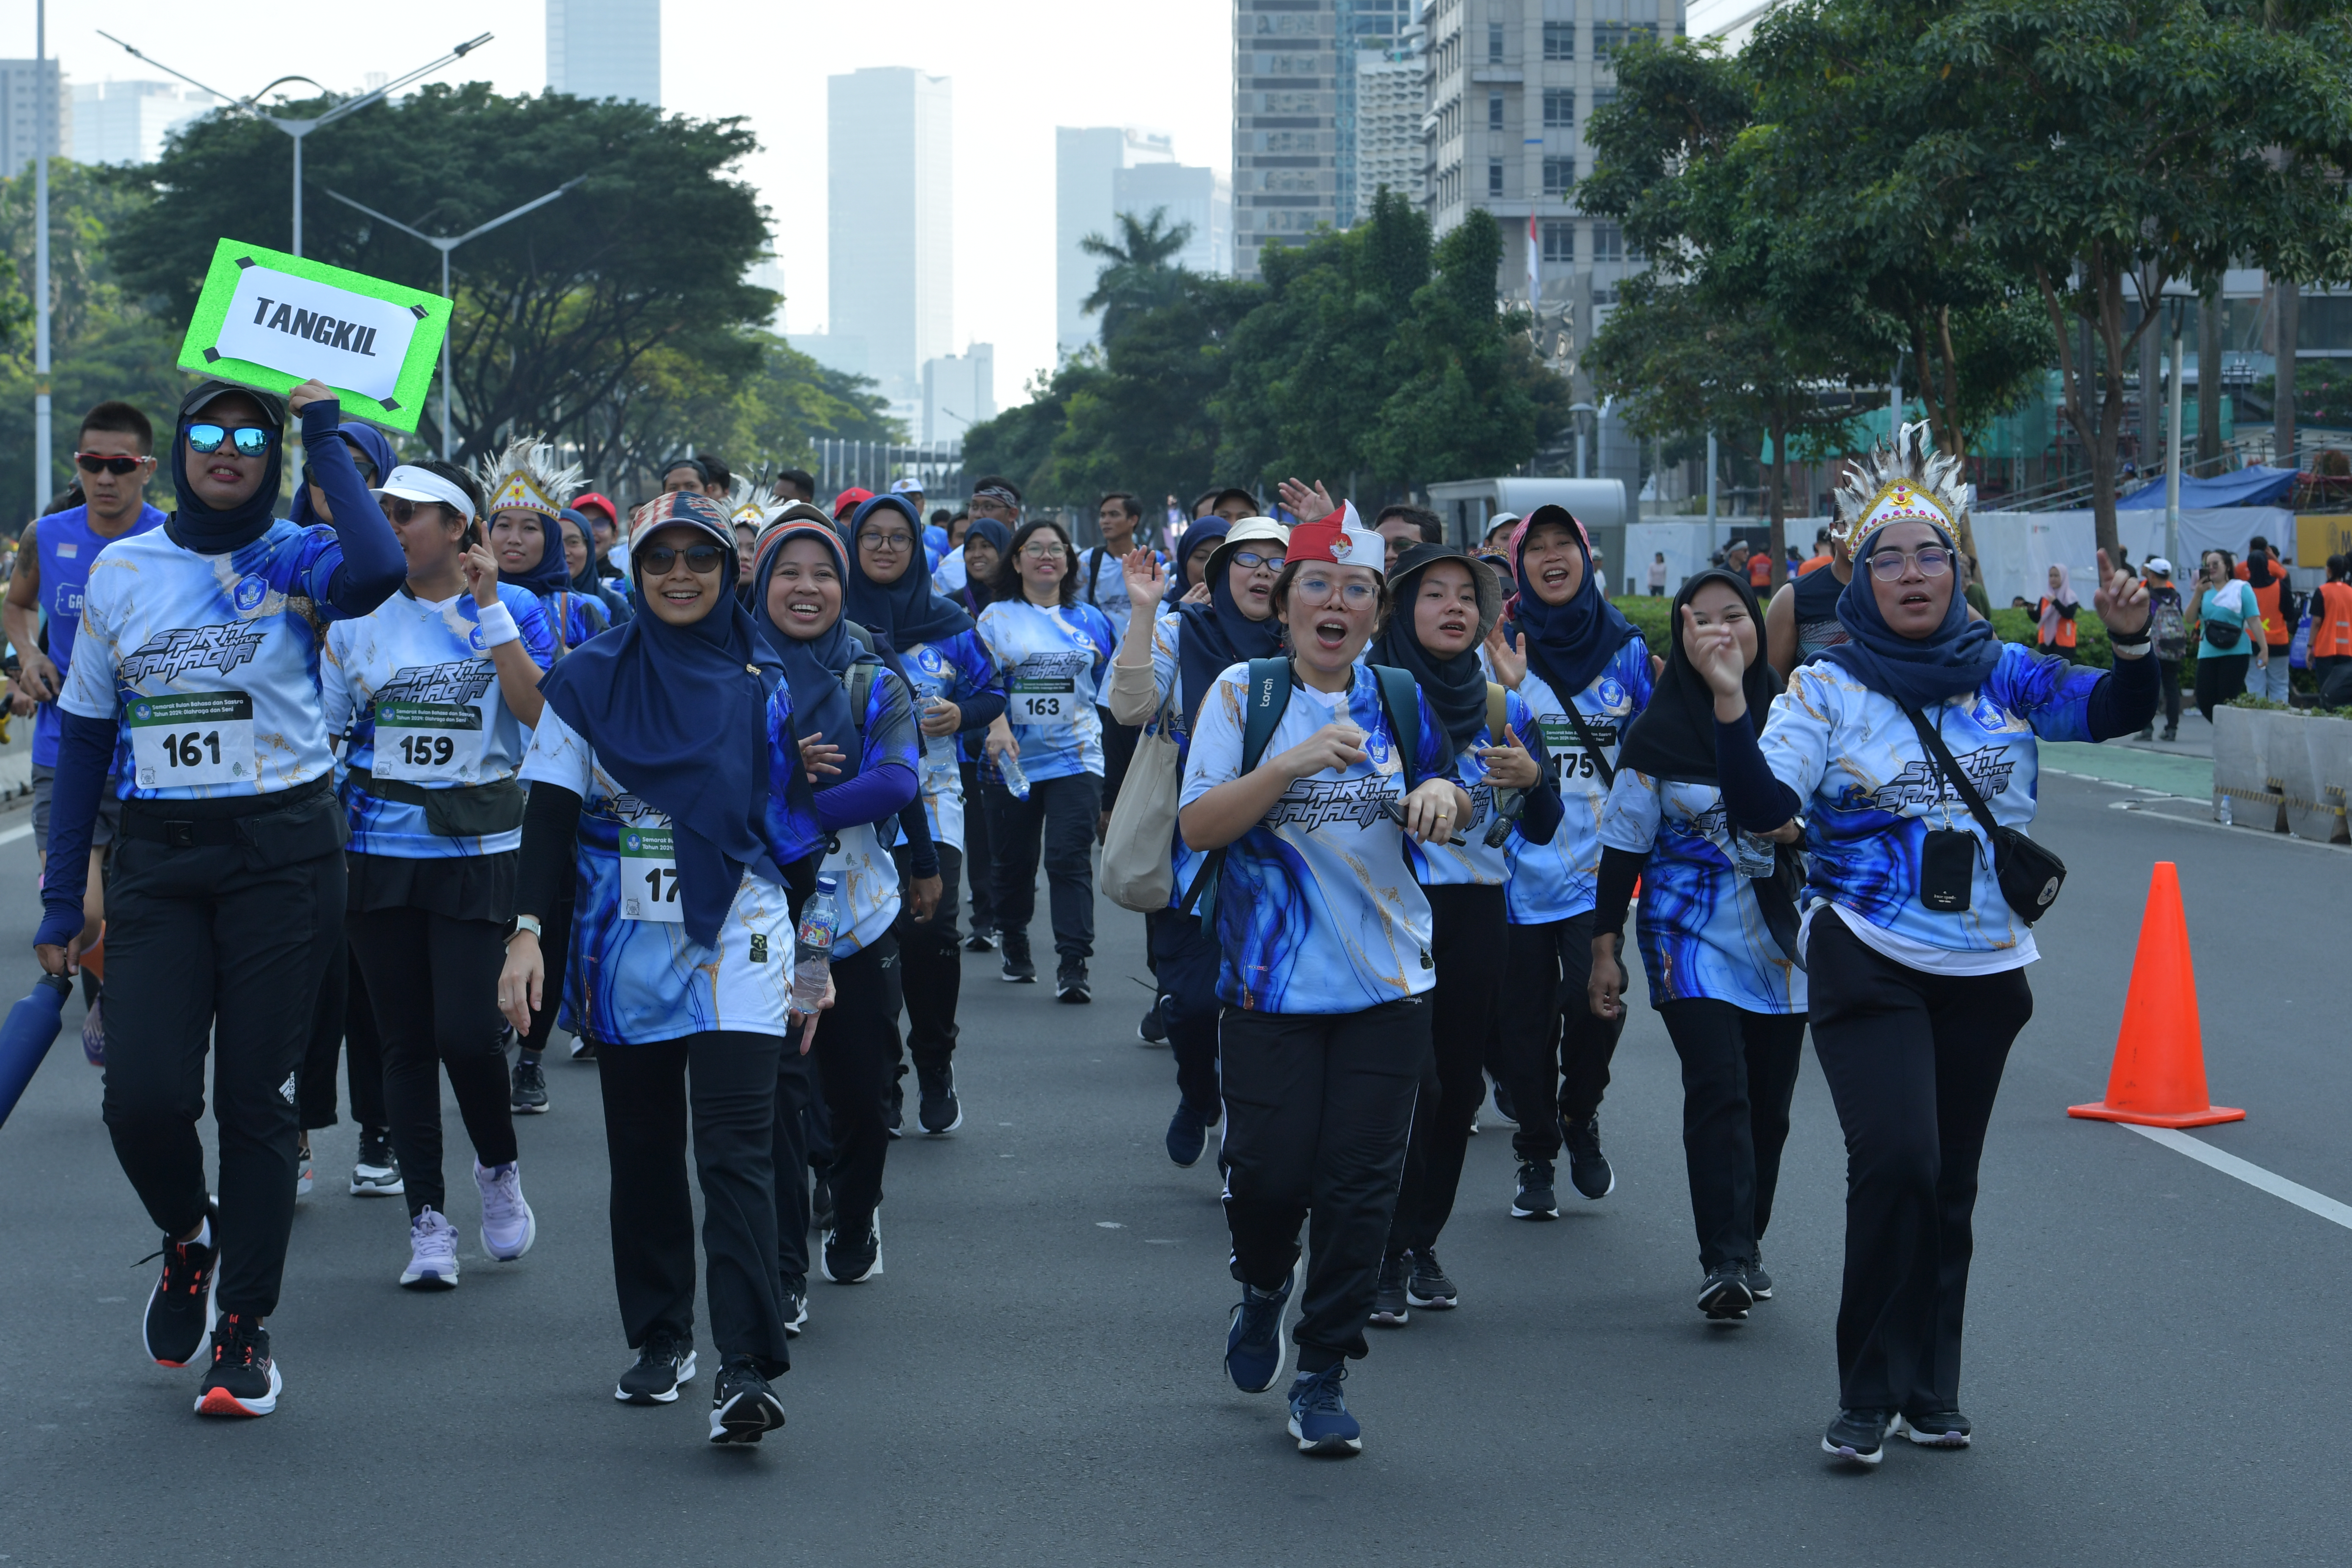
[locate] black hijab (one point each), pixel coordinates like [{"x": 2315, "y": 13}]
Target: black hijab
[
  {"x": 1674, "y": 738},
  {"x": 909, "y": 612},
  {"x": 198, "y": 527},
  {"x": 814, "y": 665},
  {"x": 1216, "y": 635},
  {"x": 976, "y": 595},
  {"x": 1454, "y": 686},
  {"x": 1569, "y": 645}
]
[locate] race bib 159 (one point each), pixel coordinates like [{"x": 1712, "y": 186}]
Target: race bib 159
[
  {"x": 427, "y": 742},
  {"x": 191, "y": 737}
]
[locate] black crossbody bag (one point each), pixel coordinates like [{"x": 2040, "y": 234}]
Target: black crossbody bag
[{"x": 2030, "y": 876}]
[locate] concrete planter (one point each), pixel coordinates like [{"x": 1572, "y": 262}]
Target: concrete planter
[
  {"x": 2242, "y": 783},
  {"x": 2329, "y": 743},
  {"x": 2283, "y": 773}
]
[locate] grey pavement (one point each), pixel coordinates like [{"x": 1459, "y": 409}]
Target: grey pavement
[{"x": 2155, "y": 1360}]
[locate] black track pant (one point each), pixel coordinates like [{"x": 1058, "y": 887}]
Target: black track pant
[
  {"x": 2168, "y": 670},
  {"x": 729, "y": 1080},
  {"x": 2221, "y": 676},
  {"x": 1061, "y": 813},
  {"x": 206, "y": 952},
  {"x": 555, "y": 948},
  {"x": 1913, "y": 1061},
  {"x": 856, "y": 1054},
  {"x": 1554, "y": 1050},
  {"x": 1739, "y": 1072},
  {"x": 434, "y": 983},
  {"x": 1184, "y": 961},
  {"x": 342, "y": 1028},
  {"x": 979, "y": 860},
  {"x": 1119, "y": 743},
  {"x": 933, "y": 982},
  {"x": 1470, "y": 944},
  {"x": 1318, "y": 1108}
]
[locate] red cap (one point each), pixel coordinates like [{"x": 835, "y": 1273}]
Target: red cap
[
  {"x": 582, "y": 502},
  {"x": 1340, "y": 538},
  {"x": 849, "y": 499}
]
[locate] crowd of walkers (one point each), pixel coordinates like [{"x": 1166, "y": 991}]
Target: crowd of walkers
[{"x": 446, "y": 761}]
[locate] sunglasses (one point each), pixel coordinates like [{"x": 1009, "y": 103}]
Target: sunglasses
[
  {"x": 108, "y": 463},
  {"x": 701, "y": 559},
  {"x": 404, "y": 512},
  {"x": 251, "y": 441}
]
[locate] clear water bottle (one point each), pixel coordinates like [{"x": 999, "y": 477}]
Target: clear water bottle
[
  {"x": 2221, "y": 809},
  {"x": 813, "y": 950},
  {"x": 31, "y": 1030},
  {"x": 1751, "y": 854},
  {"x": 1014, "y": 779}
]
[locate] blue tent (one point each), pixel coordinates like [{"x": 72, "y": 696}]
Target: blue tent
[{"x": 2255, "y": 486}]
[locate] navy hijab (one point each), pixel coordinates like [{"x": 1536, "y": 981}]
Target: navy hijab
[
  {"x": 1454, "y": 686},
  {"x": 368, "y": 442},
  {"x": 1211, "y": 527},
  {"x": 553, "y": 574},
  {"x": 1916, "y": 672},
  {"x": 1569, "y": 645},
  {"x": 976, "y": 595},
  {"x": 678, "y": 716},
  {"x": 197, "y": 527},
  {"x": 813, "y": 667},
  {"x": 1674, "y": 736},
  {"x": 1217, "y": 635},
  {"x": 909, "y": 612}
]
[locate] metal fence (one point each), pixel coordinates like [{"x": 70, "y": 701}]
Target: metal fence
[{"x": 937, "y": 466}]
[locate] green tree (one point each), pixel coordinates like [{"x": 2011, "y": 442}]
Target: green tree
[
  {"x": 1019, "y": 443},
  {"x": 1144, "y": 424},
  {"x": 1139, "y": 271},
  {"x": 771, "y": 418}
]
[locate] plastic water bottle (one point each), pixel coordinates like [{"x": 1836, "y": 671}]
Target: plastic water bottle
[
  {"x": 1014, "y": 779},
  {"x": 31, "y": 1030},
  {"x": 813, "y": 951}
]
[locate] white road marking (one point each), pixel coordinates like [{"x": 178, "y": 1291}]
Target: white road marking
[
  {"x": 14, "y": 834},
  {"x": 2254, "y": 1175}
]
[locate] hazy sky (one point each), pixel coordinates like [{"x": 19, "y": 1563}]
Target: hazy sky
[{"x": 1019, "y": 68}]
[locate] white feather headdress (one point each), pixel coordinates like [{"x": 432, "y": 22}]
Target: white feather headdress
[
  {"x": 748, "y": 501},
  {"x": 527, "y": 476},
  {"x": 1910, "y": 482}
]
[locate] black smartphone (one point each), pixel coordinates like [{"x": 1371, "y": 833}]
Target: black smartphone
[{"x": 1393, "y": 809}]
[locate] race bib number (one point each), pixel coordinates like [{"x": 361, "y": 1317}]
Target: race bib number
[
  {"x": 649, "y": 876},
  {"x": 191, "y": 737},
  {"x": 427, "y": 742},
  {"x": 1044, "y": 699},
  {"x": 1568, "y": 748}
]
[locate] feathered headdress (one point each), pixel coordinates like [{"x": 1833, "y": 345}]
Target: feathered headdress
[
  {"x": 1911, "y": 482},
  {"x": 748, "y": 501},
  {"x": 526, "y": 477}
]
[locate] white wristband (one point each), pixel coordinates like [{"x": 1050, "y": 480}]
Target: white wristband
[{"x": 498, "y": 625}]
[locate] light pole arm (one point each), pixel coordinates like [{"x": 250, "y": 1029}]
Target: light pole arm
[{"x": 160, "y": 65}]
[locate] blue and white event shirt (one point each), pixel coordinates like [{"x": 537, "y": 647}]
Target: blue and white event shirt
[
  {"x": 210, "y": 662},
  {"x": 1560, "y": 879},
  {"x": 1872, "y": 792},
  {"x": 1318, "y": 911},
  {"x": 1471, "y": 863},
  {"x": 68, "y": 547},
  {"x": 421, "y": 696},
  {"x": 865, "y": 876},
  {"x": 1701, "y": 930},
  {"x": 1053, "y": 661},
  {"x": 634, "y": 977},
  {"x": 958, "y": 669}
]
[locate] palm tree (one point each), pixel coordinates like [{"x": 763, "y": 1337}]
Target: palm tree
[{"x": 1137, "y": 271}]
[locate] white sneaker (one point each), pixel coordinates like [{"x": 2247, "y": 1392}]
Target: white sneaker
[
  {"x": 431, "y": 1252},
  {"x": 508, "y": 1226}
]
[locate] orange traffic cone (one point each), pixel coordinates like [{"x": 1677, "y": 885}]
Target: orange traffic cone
[{"x": 2158, "y": 1077}]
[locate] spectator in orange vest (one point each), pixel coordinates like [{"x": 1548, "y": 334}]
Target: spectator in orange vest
[
  {"x": 2331, "y": 634},
  {"x": 2056, "y": 632},
  {"x": 2275, "y": 599}
]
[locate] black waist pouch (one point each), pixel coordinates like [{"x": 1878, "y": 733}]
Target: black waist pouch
[{"x": 461, "y": 811}]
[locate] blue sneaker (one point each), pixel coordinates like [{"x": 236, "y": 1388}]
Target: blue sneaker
[
  {"x": 1256, "y": 1349},
  {"x": 1319, "y": 1416},
  {"x": 1187, "y": 1135}
]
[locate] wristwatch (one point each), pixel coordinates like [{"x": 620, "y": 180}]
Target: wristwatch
[{"x": 531, "y": 923}]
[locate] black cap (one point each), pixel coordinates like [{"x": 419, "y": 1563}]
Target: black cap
[{"x": 272, "y": 406}]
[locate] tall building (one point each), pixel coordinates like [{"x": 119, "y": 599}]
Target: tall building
[
  {"x": 604, "y": 48},
  {"x": 1390, "y": 94},
  {"x": 959, "y": 391},
  {"x": 23, "y": 96},
  {"x": 1086, "y": 163},
  {"x": 1188, "y": 194},
  {"x": 889, "y": 243},
  {"x": 126, "y": 121}
]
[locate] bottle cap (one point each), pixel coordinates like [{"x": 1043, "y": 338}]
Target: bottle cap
[{"x": 827, "y": 885}]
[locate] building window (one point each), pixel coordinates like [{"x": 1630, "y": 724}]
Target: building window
[
  {"x": 1608, "y": 243},
  {"x": 1494, "y": 176},
  {"x": 1559, "y": 107},
  {"x": 1493, "y": 43},
  {"x": 1493, "y": 111},
  {"x": 1559, "y": 178},
  {"x": 1609, "y": 37},
  {"x": 1560, "y": 40},
  {"x": 1602, "y": 96},
  {"x": 1559, "y": 238}
]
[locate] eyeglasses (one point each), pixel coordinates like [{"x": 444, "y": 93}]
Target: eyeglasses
[
  {"x": 1250, "y": 560},
  {"x": 887, "y": 543},
  {"x": 1044, "y": 551},
  {"x": 1316, "y": 590},
  {"x": 404, "y": 512},
  {"x": 251, "y": 440},
  {"x": 1886, "y": 565},
  {"x": 701, "y": 559},
  {"x": 108, "y": 463}
]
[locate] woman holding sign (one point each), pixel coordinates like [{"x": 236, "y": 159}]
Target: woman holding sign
[
  {"x": 1053, "y": 651},
  {"x": 202, "y": 639},
  {"x": 437, "y": 686},
  {"x": 649, "y": 773}
]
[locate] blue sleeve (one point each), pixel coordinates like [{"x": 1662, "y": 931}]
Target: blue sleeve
[
  {"x": 981, "y": 694},
  {"x": 2122, "y": 701},
  {"x": 886, "y": 777},
  {"x": 364, "y": 566},
  {"x": 1542, "y": 814},
  {"x": 1435, "y": 756},
  {"x": 84, "y": 748},
  {"x": 922, "y": 853},
  {"x": 531, "y": 619},
  {"x": 1753, "y": 797}
]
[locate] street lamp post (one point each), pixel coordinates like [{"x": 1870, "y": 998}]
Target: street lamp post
[
  {"x": 444, "y": 245},
  {"x": 299, "y": 129},
  {"x": 43, "y": 108}
]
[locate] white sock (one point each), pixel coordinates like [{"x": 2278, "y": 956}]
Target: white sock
[{"x": 204, "y": 1237}]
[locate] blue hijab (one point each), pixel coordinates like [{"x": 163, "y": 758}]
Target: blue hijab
[
  {"x": 551, "y": 575},
  {"x": 1915, "y": 671},
  {"x": 909, "y": 612},
  {"x": 678, "y": 716},
  {"x": 1209, "y": 527},
  {"x": 815, "y": 666},
  {"x": 196, "y": 526},
  {"x": 368, "y": 442},
  {"x": 1569, "y": 645},
  {"x": 976, "y": 595}
]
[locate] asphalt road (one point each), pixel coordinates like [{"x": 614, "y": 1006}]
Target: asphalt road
[{"x": 2154, "y": 1361}]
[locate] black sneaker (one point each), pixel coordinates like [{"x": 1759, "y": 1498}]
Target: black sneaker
[
  {"x": 376, "y": 1172},
  {"x": 941, "y": 1112},
  {"x": 243, "y": 1380},
  {"x": 1933, "y": 1429},
  {"x": 663, "y": 1363},
  {"x": 981, "y": 940},
  {"x": 820, "y": 1204},
  {"x": 180, "y": 1308},
  {"x": 853, "y": 1261},
  {"x": 1587, "y": 1167},
  {"x": 1725, "y": 1298},
  {"x": 1153, "y": 1030},
  {"x": 529, "y": 1090},
  {"x": 583, "y": 1049},
  {"x": 1388, "y": 1295},
  {"x": 795, "y": 1307},
  {"x": 1759, "y": 1284},
  {"x": 743, "y": 1408},
  {"x": 2147, "y": 732},
  {"x": 1019, "y": 968},
  {"x": 1187, "y": 1134},
  {"x": 1427, "y": 1285},
  {"x": 1858, "y": 1437},
  {"x": 2171, "y": 733},
  {"x": 1534, "y": 1199},
  {"x": 1070, "y": 982}
]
